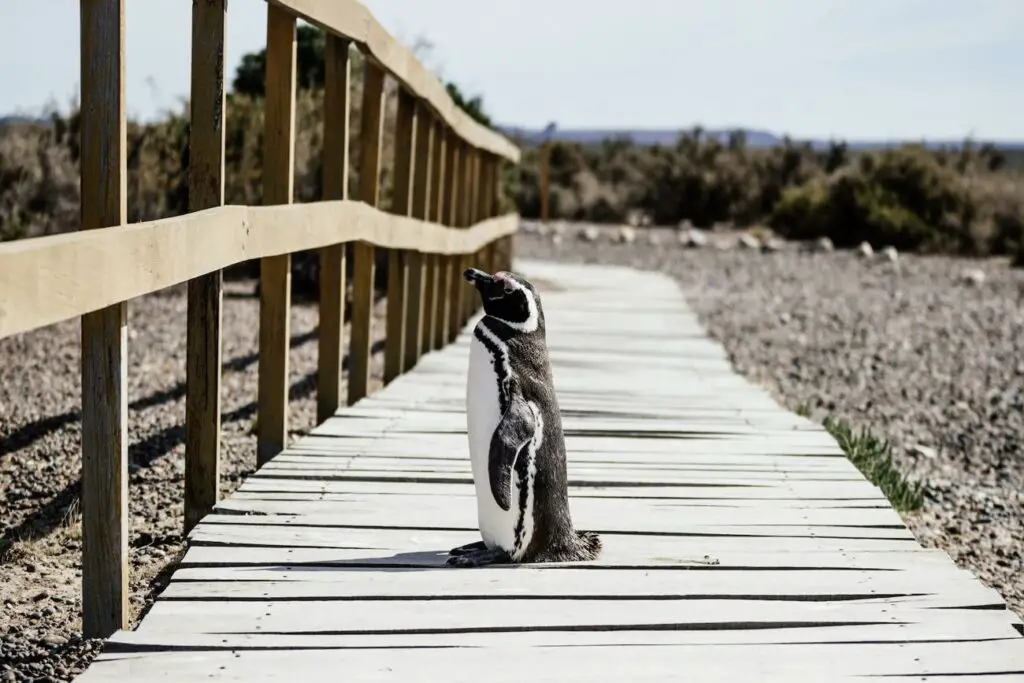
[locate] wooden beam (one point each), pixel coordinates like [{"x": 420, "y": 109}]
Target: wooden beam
[
  {"x": 275, "y": 271},
  {"x": 370, "y": 139},
  {"x": 104, "y": 332},
  {"x": 203, "y": 329},
  {"x": 442, "y": 264},
  {"x": 467, "y": 208},
  {"x": 454, "y": 277},
  {"x": 416, "y": 308},
  {"x": 350, "y": 19},
  {"x": 332, "y": 258},
  {"x": 545, "y": 173},
  {"x": 48, "y": 279},
  {"x": 397, "y": 336}
]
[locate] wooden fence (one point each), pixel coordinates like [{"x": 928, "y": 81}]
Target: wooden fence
[{"x": 443, "y": 216}]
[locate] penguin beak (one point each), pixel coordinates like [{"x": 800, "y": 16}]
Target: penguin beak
[{"x": 477, "y": 277}]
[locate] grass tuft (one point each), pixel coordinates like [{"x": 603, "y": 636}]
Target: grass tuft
[{"x": 873, "y": 457}]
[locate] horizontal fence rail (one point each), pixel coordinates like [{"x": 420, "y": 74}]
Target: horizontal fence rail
[{"x": 444, "y": 215}]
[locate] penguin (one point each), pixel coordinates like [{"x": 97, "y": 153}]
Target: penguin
[{"x": 516, "y": 443}]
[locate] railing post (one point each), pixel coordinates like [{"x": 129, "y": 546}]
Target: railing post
[
  {"x": 275, "y": 271},
  {"x": 104, "y": 332},
  {"x": 489, "y": 253},
  {"x": 398, "y": 332},
  {"x": 203, "y": 330},
  {"x": 371, "y": 132},
  {"x": 416, "y": 296},
  {"x": 443, "y": 262},
  {"x": 454, "y": 276},
  {"x": 466, "y": 206},
  {"x": 332, "y": 259}
]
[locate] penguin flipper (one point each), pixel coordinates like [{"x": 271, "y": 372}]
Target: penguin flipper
[{"x": 514, "y": 431}]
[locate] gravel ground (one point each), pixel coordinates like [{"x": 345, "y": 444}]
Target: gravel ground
[
  {"x": 40, "y": 462},
  {"x": 907, "y": 349}
]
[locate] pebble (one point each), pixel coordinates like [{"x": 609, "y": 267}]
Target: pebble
[
  {"x": 973, "y": 277},
  {"x": 748, "y": 241},
  {"x": 864, "y": 250}
]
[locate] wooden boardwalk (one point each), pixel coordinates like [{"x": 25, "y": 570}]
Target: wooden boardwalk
[{"x": 740, "y": 544}]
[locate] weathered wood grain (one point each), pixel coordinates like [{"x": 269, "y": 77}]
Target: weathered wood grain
[
  {"x": 370, "y": 142},
  {"x": 331, "y": 329},
  {"x": 104, "y": 176},
  {"x": 203, "y": 327},
  {"x": 398, "y": 259},
  {"x": 417, "y": 314},
  {"x": 276, "y": 271}
]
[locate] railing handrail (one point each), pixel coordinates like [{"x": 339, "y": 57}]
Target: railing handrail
[
  {"x": 49, "y": 279},
  {"x": 350, "y": 19}
]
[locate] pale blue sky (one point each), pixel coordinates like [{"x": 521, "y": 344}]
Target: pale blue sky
[{"x": 851, "y": 68}]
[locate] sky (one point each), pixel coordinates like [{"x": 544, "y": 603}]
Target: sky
[{"x": 852, "y": 69}]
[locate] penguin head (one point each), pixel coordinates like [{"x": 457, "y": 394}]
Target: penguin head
[{"x": 507, "y": 298}]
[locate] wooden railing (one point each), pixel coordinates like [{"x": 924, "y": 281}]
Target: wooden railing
[{"x": 446, "y": 173}]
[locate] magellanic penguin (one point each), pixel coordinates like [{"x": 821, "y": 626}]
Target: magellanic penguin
[{"x": 516, "y": 443}]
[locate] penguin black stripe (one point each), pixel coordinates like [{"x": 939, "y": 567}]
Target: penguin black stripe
[{"x": 499, "y": 355}]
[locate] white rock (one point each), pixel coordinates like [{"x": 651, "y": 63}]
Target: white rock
[
  {"x": 748, "y": 241},
  {"x": 924, "y": 451},
  {"x": 772, "y": 244},
  {"x": 890, "y": 254},
  {"x": 973, "y": 277},
  {"x": 865, "y": 250},
  {"x": 627, "y": 234},
  {"x": 824, "y": 244},
  {"x": 589, "y": 234},
  {"x": 692, "y": 237}
]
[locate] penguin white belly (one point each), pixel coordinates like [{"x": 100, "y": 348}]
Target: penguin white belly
[{"x": 483, "y": 413}]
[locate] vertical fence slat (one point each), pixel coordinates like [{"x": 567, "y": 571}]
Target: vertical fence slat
[
  {"x": 332, "y": 259},
  {"x": 488, "y": 253},
  {"x": 370, "y": 138},
  {"x": 203, "y": 335},
  {"x": 454, "y": 277},
  {"x": 397, "y": 338},
  {"x": 275, "y": 271},
  {"x": 466, "y": 206},
  {"x": 416, "y": 295},
  {"x": 104, "y": 332},
  {"x": 443, "y": 266}
]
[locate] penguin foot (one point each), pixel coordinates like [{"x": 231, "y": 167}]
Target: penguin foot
[
  {"x": 479, "y": 558},
  {"x": 469, "y": 547}
]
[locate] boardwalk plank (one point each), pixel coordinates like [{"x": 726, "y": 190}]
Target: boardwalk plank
[{"x": 739, "y": 542}]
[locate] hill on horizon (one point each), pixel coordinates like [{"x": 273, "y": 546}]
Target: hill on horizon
[{"x": 755, "y": 137}]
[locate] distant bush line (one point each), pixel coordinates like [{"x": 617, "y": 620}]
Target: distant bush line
[{"x": 964, "y": 200}]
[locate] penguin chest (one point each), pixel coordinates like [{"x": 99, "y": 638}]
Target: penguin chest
[{"x": 487, "y": 372}]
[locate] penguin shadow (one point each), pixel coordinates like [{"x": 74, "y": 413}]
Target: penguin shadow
[{"x": 420, "y": 560}]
